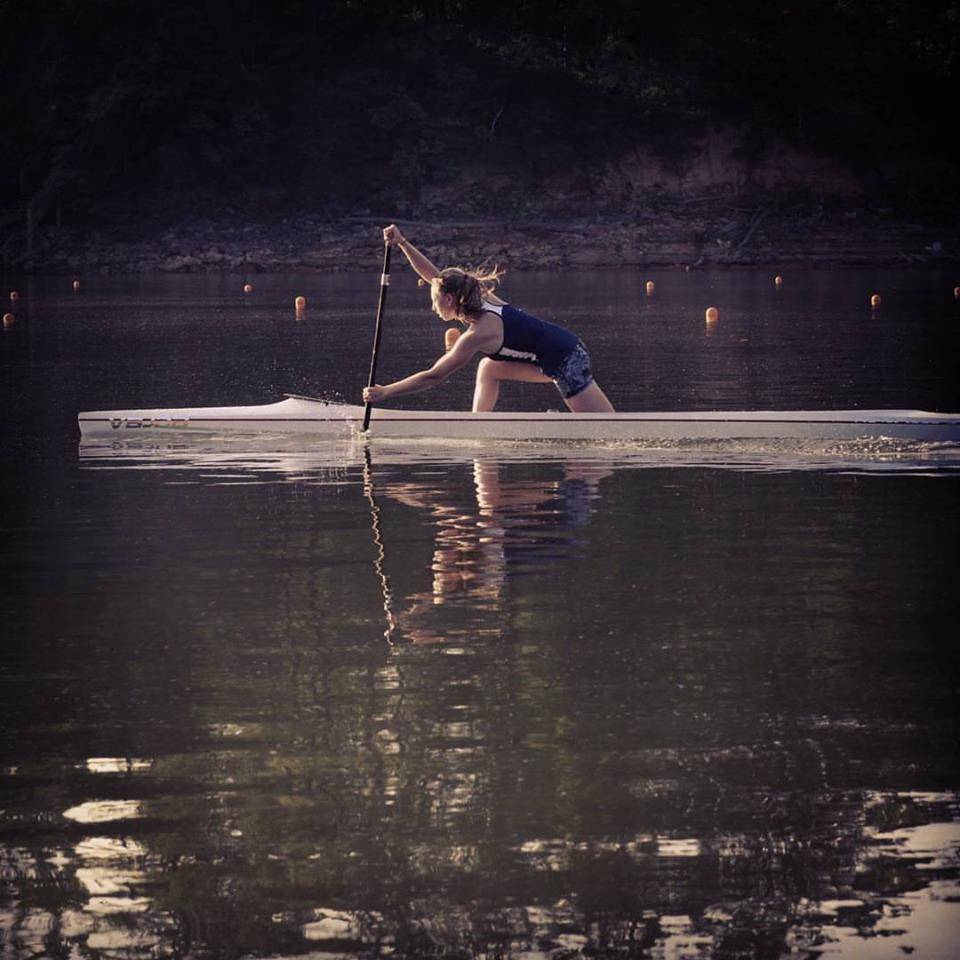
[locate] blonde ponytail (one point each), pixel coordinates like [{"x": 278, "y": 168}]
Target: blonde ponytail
[{"x": 469, "y": 288}]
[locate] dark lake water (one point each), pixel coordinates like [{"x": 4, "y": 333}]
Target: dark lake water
[{"x": 274, "y": 698}]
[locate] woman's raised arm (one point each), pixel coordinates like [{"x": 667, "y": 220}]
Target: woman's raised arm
[{"x": 418, "y": 261}]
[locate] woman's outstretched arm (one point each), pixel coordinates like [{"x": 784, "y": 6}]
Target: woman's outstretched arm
[{"x": 462, "y": 352}]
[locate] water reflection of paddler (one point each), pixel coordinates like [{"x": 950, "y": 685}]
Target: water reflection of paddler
[
  {"x": 473, "y": 551},
  {"x": 574, "y": 492},
  {"x": 466, "y": 563}
]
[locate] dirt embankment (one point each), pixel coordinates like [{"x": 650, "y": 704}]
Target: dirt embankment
[
  {"x": 715, "y": 208},
  {"x": 682, "y": 233}
]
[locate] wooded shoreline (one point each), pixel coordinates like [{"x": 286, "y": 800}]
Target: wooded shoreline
[{"x": 188, "y": 137}]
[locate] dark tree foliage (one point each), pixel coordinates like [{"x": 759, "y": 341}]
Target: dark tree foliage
[{"x": 328, "y": 103}]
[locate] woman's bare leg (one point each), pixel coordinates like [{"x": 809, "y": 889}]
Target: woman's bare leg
[
  {"x": 491, "y": 372},
  {"x": 487, "y": 388},
  {"x": 590, "y": 400}
]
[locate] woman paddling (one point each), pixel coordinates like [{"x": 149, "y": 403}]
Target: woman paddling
[{"x": 514, "y": 344}]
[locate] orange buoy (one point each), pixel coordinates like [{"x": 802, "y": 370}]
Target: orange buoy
[
  {"x": 651, "y": 286},
  {"x": 300, "y": 303},
  {"x": 875, "y": 300},
  {"x": 76, "y": 286},
  {"x": 778, "y": 281},
  {"x": 8, "y": 319},
  {"x": 248, "y": 288},
  {"x": 14, "y": 295},
  {"x": 450, "y": 337},
  {"x": 712, "y": 314}
]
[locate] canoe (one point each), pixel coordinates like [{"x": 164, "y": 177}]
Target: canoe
[{"x": 321, "y": 418}]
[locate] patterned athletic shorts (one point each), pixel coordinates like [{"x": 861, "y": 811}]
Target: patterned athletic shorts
[{"x": 573, "y": 375}]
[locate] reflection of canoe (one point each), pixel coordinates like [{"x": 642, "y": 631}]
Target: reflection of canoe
[{"x": 306, "y": 415}]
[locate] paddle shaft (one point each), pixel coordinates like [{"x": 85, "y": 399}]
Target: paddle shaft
[{"x": 384, "y": 283}]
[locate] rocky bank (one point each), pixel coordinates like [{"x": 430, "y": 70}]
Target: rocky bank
[
  {"x": 718, "y": 207},
  {"x": 699, "y": 232}
]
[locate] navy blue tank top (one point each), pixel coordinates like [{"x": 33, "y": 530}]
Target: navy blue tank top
[{"x": 528, "y": 339}]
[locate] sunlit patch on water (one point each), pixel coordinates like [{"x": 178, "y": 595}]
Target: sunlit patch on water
[
  {"x": 125, "y": 939},
  {"x": 117, "y": 765},
  {"x": 920, "y": 923},
  {"x": 114, "y": 885},
  {"x": 108, "y": 907},
  {"x": 679, "y": 938},
  {"x": 227, "y": 729},
  {"x": 103, "y": 811},
  {"x": 109, "y": 848},
  {"x": 331, "y": 924},
  {"x": 934, "y": 846},
  {"x": 674, "y": 847}
]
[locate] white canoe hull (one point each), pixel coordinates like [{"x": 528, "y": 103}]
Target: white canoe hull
[{"x": 304, "y": 415}]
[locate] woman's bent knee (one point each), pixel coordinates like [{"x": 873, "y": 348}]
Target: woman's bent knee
[{"x": 489, "y": 371}]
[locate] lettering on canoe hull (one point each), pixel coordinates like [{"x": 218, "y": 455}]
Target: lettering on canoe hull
[{"x": 125, "y": 423}]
